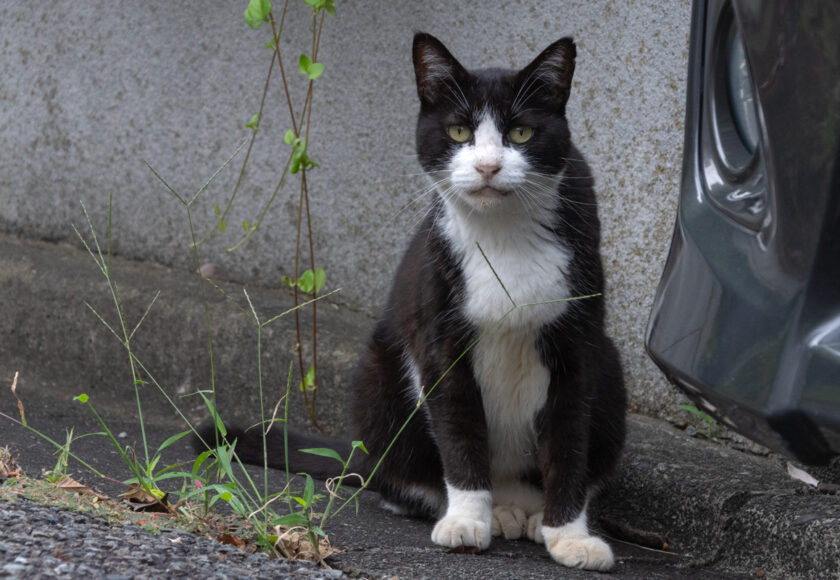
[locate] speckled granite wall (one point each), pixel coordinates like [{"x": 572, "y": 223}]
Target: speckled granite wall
[{"x": 90, "y": 89}]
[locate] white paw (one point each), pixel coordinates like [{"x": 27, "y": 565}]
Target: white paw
[
  {"x": 453, "y": 531},
  {"x": 587, "y": 552},
  {"x": 534, "y": 529},
  {"x": 509, "y": 521}
]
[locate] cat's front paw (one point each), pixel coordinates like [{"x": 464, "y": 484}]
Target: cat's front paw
[
  {"x": 509, "y": 521},
  {"x": 587, "y": 552},
  {"x": 453, "y": 531}
]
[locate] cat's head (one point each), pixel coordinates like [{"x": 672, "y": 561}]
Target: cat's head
[{"x": 491, "y": 138}]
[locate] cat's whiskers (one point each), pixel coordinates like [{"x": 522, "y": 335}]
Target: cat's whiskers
[
  {"x": 432, "y": 187},
  {"x": 545, "y": 189},
  {"x": 523, "y": 196},
  {"x": 461, "y": 96}
]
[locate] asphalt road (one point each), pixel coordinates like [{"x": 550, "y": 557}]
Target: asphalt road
[{"x": 375, "y": 543}]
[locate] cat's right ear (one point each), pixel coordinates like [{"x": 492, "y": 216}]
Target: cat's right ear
[{"x": 436, "y": 69}]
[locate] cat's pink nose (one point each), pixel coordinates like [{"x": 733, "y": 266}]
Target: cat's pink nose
[{"x": 487, "y": 170}]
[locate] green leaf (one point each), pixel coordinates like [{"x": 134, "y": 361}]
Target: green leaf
[
  {"x": 151, "y": 467},
  {"x": 304, "y": 63},
  {"x": 318, "y": 5},
  {"x": 217, "y": 420},
  {"x": 316, "y": 69},
  {"x": 324, "y": 452},
  {"x": 173, "y": 439},
  {"x": 306, "y": 282},
  {"x": 299, "y": 158},
  {"x": 308, "y": 490},
  {"x": 216, "y": 210},
  {"x": 311, "y": 69},
  {"x": 222, "y": 226},
  {"x": 360, "y": 445},
  {"x": 289, "y": 138},
  {"x": 254, "y": 123},
  {"x": 287, "y": 281},
  {"x": 320, "y": 279},
  {"x": 708, "y": 419},
  {"x": 308, "y": 382},
  {"x": 318, "y": 531},
  {"x": 83, "y": 398},
  {"x": 245, "y": 225},
  {"x": 224, "y": 460},
  {"x": 257, "y": 13},
  {"x": 199, "y": 461},
  {"x": 291, "y": 520}
]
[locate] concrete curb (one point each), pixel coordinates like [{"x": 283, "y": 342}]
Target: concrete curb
[
  {"x": 724, "y": 507},
  {"x": 50, "y": 334},
  {"x": 720, "y": 508}
]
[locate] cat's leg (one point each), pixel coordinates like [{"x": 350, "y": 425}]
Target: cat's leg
[
  {"x": 514, "y": 502},
  {"x": 467, "y": 521},
  {"x": 459, "y": 429},
  {"x": 564, "y": 431}
]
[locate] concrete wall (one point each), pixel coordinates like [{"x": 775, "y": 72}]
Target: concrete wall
[{"x": 88, "y": 90}]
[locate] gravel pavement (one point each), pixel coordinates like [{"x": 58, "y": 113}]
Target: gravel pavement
[{"x": 47, "y": 542}]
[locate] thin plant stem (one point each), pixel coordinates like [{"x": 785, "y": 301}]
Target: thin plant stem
[
  {"x": 266, "y": 207},
  {"x": 260, "y": 390},
  {"x": 492, "y": 269},
  {"x": 325, "y": 516},
  {"x": 286, "y": 431},
  {"x": 299, "y": 344},
  {"x": 283, "y": 73},
  {"x": 254, "y": 132},
  {"x": 58, "y": 445},
  {"x": 120, "y": 315}
]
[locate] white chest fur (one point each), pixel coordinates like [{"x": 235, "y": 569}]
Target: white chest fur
[{"x": 531, "y": 264}]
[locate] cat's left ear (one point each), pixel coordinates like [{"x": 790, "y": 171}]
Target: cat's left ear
[{"x": 552, "y": 71}]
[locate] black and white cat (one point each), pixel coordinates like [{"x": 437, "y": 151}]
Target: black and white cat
[{"x": 516, "y": 436}]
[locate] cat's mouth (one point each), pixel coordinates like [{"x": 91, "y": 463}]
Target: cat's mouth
[
  {"x": 488, "y": 192},
  {"x": 486, "y": 197}
]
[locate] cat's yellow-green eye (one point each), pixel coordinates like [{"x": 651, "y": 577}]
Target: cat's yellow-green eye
[
  {"x": 459, "y": 133},
  {"x": 520, "y": 135}
]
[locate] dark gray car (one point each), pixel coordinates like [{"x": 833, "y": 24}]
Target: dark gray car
[{"x": 747, "y": 316}]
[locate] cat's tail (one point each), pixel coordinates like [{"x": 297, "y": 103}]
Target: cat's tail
[{"x": 248, "y": 444}]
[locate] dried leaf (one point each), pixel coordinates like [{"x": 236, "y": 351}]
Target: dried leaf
[
  {"x": 801, "y": 475},
  {"x": 231, "y": 540},
  {"x": 8, "y": 465},
  {"x": 70, "y": 484},
  {"x": 140, "y": 500},
  {"x": 296, "y": 543},
  {"x": 19, "y": 402}
]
